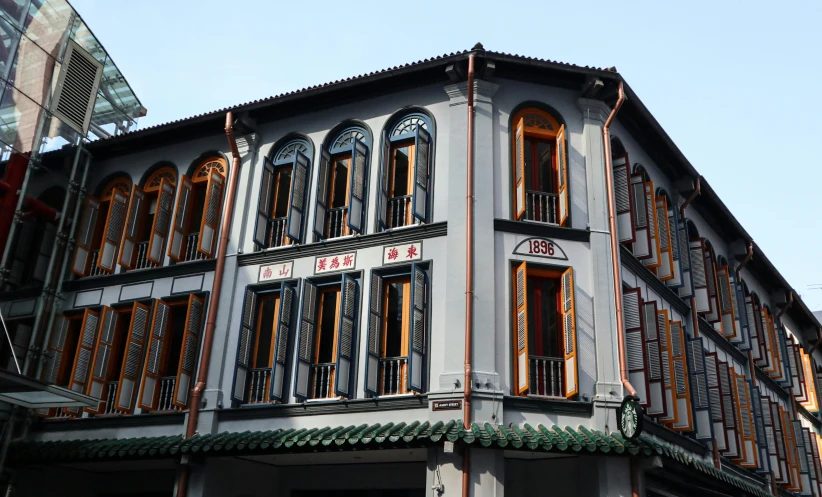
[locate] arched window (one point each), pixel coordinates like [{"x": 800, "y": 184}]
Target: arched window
[
  {"x": 283, "y": 194},
  {"x": 646, "y": 246},
  {"x": 540, "y": 168},
  {"x": 199, "y": 205},
  {"x": 689, "y": 241},
  {"x": 625, "y": 212},
  {"x": 727, "y": 298},
  {"x": 406, "y": 171},
  {"x": 148, "y": 220},
  {"x": 98, "y": 240},
  {"x": 341, "y": 183}
]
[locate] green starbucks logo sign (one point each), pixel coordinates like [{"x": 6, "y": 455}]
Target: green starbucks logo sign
[{"x": 630, "y": 417}]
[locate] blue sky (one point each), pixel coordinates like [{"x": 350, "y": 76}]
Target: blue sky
[{"x": 733, "y": 83}]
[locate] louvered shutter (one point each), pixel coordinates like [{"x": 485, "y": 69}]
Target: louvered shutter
[
  {"x": 804, "y": 482},
  {"x": 657, "y": 361},
  {"x": 130, "y": 368},
  {"x": 771, "y": 436},
  {"x": 754, "y": 323},
  {"x": 812, "y": 404},
  {"x": 82, "y": 360},
  {"x": 349, "y": 294},
  {"x": 770, "y": 366},
  {"x": 416, "y": 360},
  {"x": 783, "y": 475},
  {"x": 726, "y": 386},
  {"x": 703, "y": 426},
  {"x": 187, "y": 367},
  {"x": 663, "y": 325},
  {"x": 738, "y": 302},
  {"x": 385, "y": 167},
  {"x": 521, "y": 369},
  {"x": 783, "y": 374},
  {"x": 160, "y": 225},
  {"x": 85, "y": 234},
  {"x": 321, "y": 209},
  {"x": 262, "y": 226},
  {"x": 727, "y": 297},
  {"x": 687, "y": 289},
  {"x": 715, "y": 397},
  {"x": 762, "y": 325},
  {"x": 654, "y": 259},
  {"x": 700, "y": 277},
  {"x": 642, "y": 242},
  {"x": 158, "y": 345},
  {"x": 635, "y": 344},
  {"x": 793, "y": 360},
  {"x": 808, "y": 442},
  {"x": 279, "y": 366},
  {"x": 58, "y": 360},
  {"x": 212, "y": 207},
  {"x": 562, "y": 172},
  {"x": 422, "y": 163},
  {"x": 135, "y": 219},
  {"x": 817, "y": 464},
  {"x": 713, "y": 316},
  {"x": 569, "y": 334},
  {"x": 763, "y": 460},
  {"x": 299, "y": 197},
  {"x": 103, "y": 364},
  {"x": 519, "y": 170},
  {"x": 375, "y": 319},
  {"x": 682, "y": 390},
  {"x": 750, "y": 454},
  {"x": 305, "y": 353},
  {"x": 113, "y": 230},
  {"x": 245, "y": 347},
  {"x": 790, "y": 446},
  {"x": 665, "y": 271},
  {"x": 356, "y": 188},
  {"x": 676, "y": 281},
  {"x": 622, "y": 199},
  {"x": 182, "y": 220}
]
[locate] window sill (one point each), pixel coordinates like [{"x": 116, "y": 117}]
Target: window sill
[
  {"x": 535, "y": 228},
  {"x": 111, "y": 421},
  {"x": 547, "y": 405},
  {"x": 178, "y": 269},
  {"x": 323, "y": 406}
]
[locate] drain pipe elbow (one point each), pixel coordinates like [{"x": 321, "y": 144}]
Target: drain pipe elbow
[{"x": 697, "y": 192}]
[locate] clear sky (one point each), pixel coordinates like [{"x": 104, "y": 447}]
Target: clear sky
[{"x": 735, "y": 84}]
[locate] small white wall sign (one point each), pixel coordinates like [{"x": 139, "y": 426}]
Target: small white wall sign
[
  {"x": 337, "y": 262},
  {"x": 541, "y": 247},
  {"x": 273, "y": 272},
  {"x": 392, "y": 254}
]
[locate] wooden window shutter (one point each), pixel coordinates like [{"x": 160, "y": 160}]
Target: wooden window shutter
[
  {"x": 682, "y": 388},
  {"x": 113, "y": 230},
  {"x": 321, "y": 209},
  {"x": 385, "y": 167},
  {"x": 85, "y": 234},
  {"x": 519, "y": 170},
  {"x": 749, "y": 458},
  {"x": 771, "y": 436},
  {"x": 794, "y": 484},
  {"x": 783, "y": 473},
  {"x": 262, "y": 226},
  {"x": 299, "y": 197},
  {"x": 812, "y": 404},
  {"x": 562, "y": 170},
  {"x": 521, "y": 367},
  {"x": 726, "y": 304},
  {"x": 569, "y": 334},
  {"x": 82, "y": 359},
  {"x": 245, "y": 347},
  {"x": 212, "y": 207},
  {"x": 422, "y": 164},
  {"x": 305, "y": 352},
  {"x": 135, "y": 219},
  {"x": 416, "y": 360},
  {"x": 279, "y": 365},
  {"x": 713, "y": 315},
  {"x": 753, "y": 320},
  {"x": 783, "y": 374},
  {"x": 700, "y": 277},
  {"x": 816, "y": 440},
  {"x": 155, "y": 365},
  {"x": 687, "y": 288},
  {"x": 794, "y": 359},
  {"x": 676, "y": 281},
  {"x": 804, "y": 476},
  {"x": 349, "y": 294},
  {"x": 103, "y": 364},
  {"x": 731, "y": 424},
  {"x": 762, "y": 326},
  {"x": 657, "y": 360},
  {"x": 665, "y": 271},
  {"x": 763, "y": 460},
  {"x": 740, "y": 313},
  {"x": 622, "y": 199},
  {"x": 130, "y": 368},
  {"x": 808, "y": 441},
  {"x": 642, "y": 244},
  {"x": 663, "y": 326},
  {"x": 375, "y": 319},
  {"x": 187, "y": 368},
  {"x": 712, "y": 371},
  {"x": 57, "y": 368},
  {"x": 357, "y": 177},
  {"x": 805, "y": 391},
  {"x": 703, "y": 427},
  {"x": 182, "y": 220},
  {"x": 654, "y": 259},
  {"x": 160, "y": 225},
  {"x": 635, "y": 343},
  {"x": 770, "y": 367}
]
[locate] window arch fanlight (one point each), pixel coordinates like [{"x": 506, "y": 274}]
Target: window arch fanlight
[
  {"x": 165, "y": 172},
  {"x": 120, "y": 182},
  {"x": 407, "y": 124},
  {"x": 342, "y": 182},
  {"x": 283, "y": 193},
  {"x": 540, "y": 167},
  {"x": 207, "y": 166}
]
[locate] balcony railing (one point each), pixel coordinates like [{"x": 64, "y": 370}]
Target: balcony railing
[
  {"x": 96, "y": 271},
  {"x": 399, "y": 211},
  {"x": 191, "y": 248},
  {"x": 167, "y": 394},
  {"x": 394, "y": 375},
  {"x": 322, "y": 386},
  {"x": 541, "y": 207},
  {"x": 546, "y": 376},
  {"x": 337, "y": 222},
  {"x": 142, "y": 259},
  {"x": 278, "y": 238},
  {"x": 111, "y": 396},
  {"x": 259, "y": 387}
]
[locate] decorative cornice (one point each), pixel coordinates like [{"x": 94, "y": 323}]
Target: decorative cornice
[
  {"x": 544, "y": 230},
  {"x": 266, "y": 411},
  {"x": 181, "y": 269},
  {"x": 483, "y": 91},
  {"x": 548, "y": 406}
]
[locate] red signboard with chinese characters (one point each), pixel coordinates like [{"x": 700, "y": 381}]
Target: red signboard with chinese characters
[
  {"x": 337, "y": 262},
  {"x": 273, "y": 272},
  {"x": 408, "y": 252}
]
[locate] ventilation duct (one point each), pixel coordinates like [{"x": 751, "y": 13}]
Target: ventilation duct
[{"x": 76, "y": 90}]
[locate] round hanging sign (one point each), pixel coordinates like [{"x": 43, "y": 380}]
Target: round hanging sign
[{"x": 630, "y": 417}]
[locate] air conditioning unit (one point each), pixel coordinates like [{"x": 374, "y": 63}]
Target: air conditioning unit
[{"x": 76, "y": 90}]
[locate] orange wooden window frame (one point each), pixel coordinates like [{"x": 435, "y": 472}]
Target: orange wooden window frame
[
  {"x": 405, "y": 330},
  {"x": 322, "y": 293}
]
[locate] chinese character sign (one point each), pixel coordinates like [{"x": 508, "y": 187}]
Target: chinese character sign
[
  {"x": 394, "y": 254},
  {"x": 279, "y": 271},
  {"x": 332, "y": 263}
]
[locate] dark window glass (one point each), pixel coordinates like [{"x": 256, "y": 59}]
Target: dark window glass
[
  {"x": 393, "y": 339},
  {"x": 268, "y": 308},
  {"x": 328, "y": 314},
  {"x": 340, "y": 186},
  {"x": 542, "y": 317},
  {"x": 283, "y": 186},
  {"x": 178, "y": 326},
  {"x": 402, "y": 161}
]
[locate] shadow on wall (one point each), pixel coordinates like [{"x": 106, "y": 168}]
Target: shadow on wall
[
  {"x": 586, "y": 345},
  {"x": 578, "y": 189}
]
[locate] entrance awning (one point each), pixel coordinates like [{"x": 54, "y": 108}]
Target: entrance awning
[{"x": 27, "y": 392}]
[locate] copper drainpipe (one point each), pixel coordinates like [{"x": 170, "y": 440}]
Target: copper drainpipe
[
  {"x": 786, "y": 306},
  {"x": 609, "y": 186},
  {"x": 216, "y": 286},
  {"x": 469, "y": 278},
  {"x": 697, "y": 191},
  {"x": 746, "y": 259}
]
